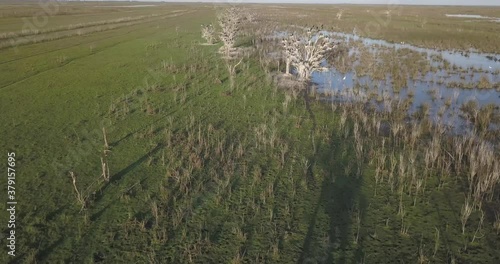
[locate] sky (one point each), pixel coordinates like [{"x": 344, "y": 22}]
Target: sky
[{"x": 403, "y": 2}]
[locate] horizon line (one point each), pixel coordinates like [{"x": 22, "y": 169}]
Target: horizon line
[{"x": 287, "y": 2}]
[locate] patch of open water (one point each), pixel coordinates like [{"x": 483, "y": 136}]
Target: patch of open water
[
  {"x": 436, "y": 89},
  {"x": 494, "y": 19}
]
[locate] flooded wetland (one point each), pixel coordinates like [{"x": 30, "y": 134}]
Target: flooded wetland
[{"x": 249, "y": 133}]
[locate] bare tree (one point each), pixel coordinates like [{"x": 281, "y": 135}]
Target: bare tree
[
  {"x": 339, "y": 14},
  {"x": 208, "y": 33},
  {"x": 105, "y": 169},
  {"x": 79, "y": 197},
  {"x": 288, "y": 50},
  {"x": 423, "y": 22},
  {"x": 388, "y": 13},
  {"x": 231, "y": 68},
  {"x": 307, "y": 52},
  {"x": 229, "y": 20}
]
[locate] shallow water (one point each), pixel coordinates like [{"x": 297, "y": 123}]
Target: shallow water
[
  {"x": 485, "y": 61},
  {"x": 128, "y": 6},
  {"x": 494, "y": 19},
  {"x": 422, "y": 91},
  {"x": 342, "y": 88},
  {"x": 436, "y": 89},
  {"x": 464, "y": 15},
  {"x": 431, "y": 89}
]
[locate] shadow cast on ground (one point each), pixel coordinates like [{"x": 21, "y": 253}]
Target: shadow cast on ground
[{"x": 340, "y": 197}]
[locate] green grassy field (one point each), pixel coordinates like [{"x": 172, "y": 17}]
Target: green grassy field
[{"x": 199, "y": 171}]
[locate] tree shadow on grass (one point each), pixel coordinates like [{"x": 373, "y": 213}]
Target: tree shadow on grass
[
  {"x": 307, "y": 101},
  {"x": 52, "y": 215},
  {"x": 340, "y": 197},
  {"x": 119, "y": 175},
  {"x": 43, "y": 255}
]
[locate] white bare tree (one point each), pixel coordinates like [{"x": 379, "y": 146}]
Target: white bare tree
[
  {"x": 289, "y": 51},
  {"x": 229, "y": 20},
  {"x": 307, "y": 52},
  {"x": 423, "y": 21},
  {"x": 339, "y": 14},
  {"x": 208, "y": 33},
  {"x": 388, "y": 13}
]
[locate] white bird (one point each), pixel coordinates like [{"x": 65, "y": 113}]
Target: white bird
[{"x": 345, "y": 77}]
